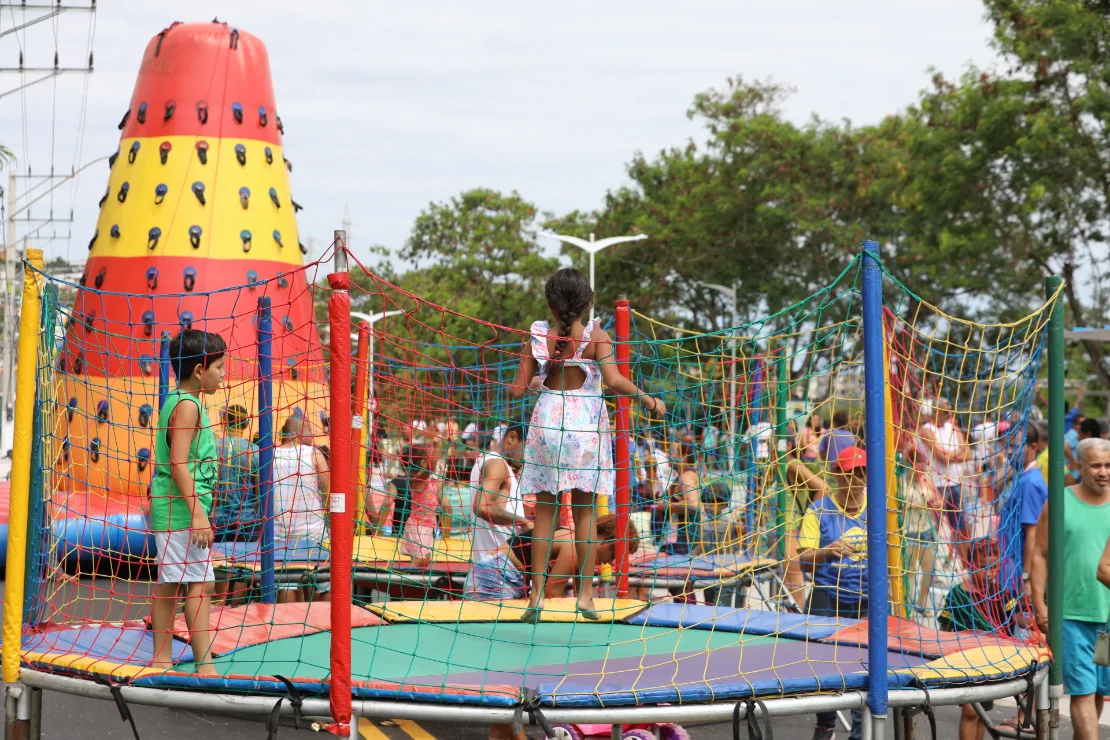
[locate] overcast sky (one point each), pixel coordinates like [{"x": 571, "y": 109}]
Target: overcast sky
[{"x": 388, "y": 106}]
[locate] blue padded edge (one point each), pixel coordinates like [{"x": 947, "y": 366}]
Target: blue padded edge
[
  {"x": 746, "y": 621},
  {"x": 124, "y": 645},
  {"x": 299, "y": 550}
]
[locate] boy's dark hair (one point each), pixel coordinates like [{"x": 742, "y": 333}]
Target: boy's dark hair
[
  {"x": 457, "y": 470},
  {"x": 517, "y": 429},
  {"x": 607, "y": 532},
  {"x": 1032, "y": 435},
  {"x": 569, "y": 295},
  {"x": 840, "y": 419},
  {"x": 193, "y": 347},
  {"x": 1092, "y": 427},
  {"x": 236, "y": 417}
]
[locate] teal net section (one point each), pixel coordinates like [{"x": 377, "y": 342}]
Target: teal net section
[{"x": 726, "y": 558}]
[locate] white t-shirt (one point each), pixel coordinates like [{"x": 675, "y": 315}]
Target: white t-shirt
[
  {"x": 984, "y": 435},
  {"x": 662, "y": 468},
  {"x": 497, "y": 433},
  {"x": 298, "y": 505},
  {"x": 943, "y": 475},
  {"x": 485, "y": 535},
  {"x": 760, "y": 434}
]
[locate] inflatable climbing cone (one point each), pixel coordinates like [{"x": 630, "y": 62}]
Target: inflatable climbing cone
[{"x": 197, "y": 223}]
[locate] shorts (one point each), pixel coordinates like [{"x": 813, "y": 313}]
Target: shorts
[
  {"x": 417, "y": 541},
  {"x": 494, "y": 578},
  {"x": 180, "y": 561},
  {"x": 1081, "y": 675}
]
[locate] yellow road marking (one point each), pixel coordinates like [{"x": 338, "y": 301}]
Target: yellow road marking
[
  {"x": 413, "y": 730},
  {"x": 369, "y": 731}
]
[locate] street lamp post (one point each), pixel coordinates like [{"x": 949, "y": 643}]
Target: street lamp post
[
  {"x": 593, "y": 247},
  {"x": 733, "y": 294},
  {"x": 371, "y": 319}
]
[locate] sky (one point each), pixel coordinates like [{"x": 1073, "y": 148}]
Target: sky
[{"x": 390, "y": 106}]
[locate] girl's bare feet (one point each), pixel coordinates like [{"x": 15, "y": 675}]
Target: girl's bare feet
[{"x": 206, "y": 669}]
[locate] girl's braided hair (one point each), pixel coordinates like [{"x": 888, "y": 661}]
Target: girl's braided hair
[{"x": 569, "y": 295}]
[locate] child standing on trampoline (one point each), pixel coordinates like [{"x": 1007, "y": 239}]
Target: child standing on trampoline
[
  {"x": 569, "y": 447},
  {"x": 185, "y": 474}
]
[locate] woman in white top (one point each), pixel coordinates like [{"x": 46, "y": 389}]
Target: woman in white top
[
  {"x": 300, "y": 485},
  {"x": 943, "y": 450}
]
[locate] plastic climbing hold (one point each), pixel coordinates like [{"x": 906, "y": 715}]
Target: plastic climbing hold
[
  {"x": 202, "y": 151},
  {"x": 93, "y": 240},
  {"x": 244, "y": 196},
  {"x": 189, "y": 278},
  {"x": 274, "y": 197},
  {"x": 102, "y": 410},
  {"x": 144, "y": 458},
  {"x": 145, "y": 412},
  {"x": 65, "y": 448},
  {"x": 123, "y": 121},
  {"x": 152, "y": 237},
  {"x": 134, "y": 152},
  {"x": 164, "y": 151},
  {"x": 194, "y": 236},
  {"x": 152, "y": 278},
  {"x": 198, "y": 190},
  {"x": 269, "y": 155},
  {"x": 241, "y": 153},
  {"x": 262, "y": 115},
  {"x": 112, "y": 159},
  {"x": 293, "y": 371},
  {"x": 105, "y": 196},
  {"x": 304, "y": 249},
  {"x": 245, "y": 237},
  {"x": 277, "y": 238},
  {"x": 171, "y": 106},
  {"x": 185, "y": 318},
  {"x": 237, "y": 112},
  {"x": 70, "y": 408},
  {"x": 202, "y": 112},
  {"x": 140, "y": 116},
  {"x": 78, "y": 364},
  {"x": 296, "y": 206},
  {"x": 94, "y": 449},
  {"x": 287, "y": 323},
  {"x": 233, "y": 42},
  {"x": 160, "y": 193},
  {"x": 122, "y": 195},
  {"x": 100, "y": 275},
  {"x": 146, "y": 364},
  {"x": 283, "y": 281},
  {"x": 252, "y": 279},
  {"x": 148, "y": 323},
  {"x": 90, "y": 317},
  {"x": 114, "y": 231},
  {"x": 281, "y": 129}
]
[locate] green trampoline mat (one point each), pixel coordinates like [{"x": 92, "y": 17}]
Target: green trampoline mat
[{"x": 399, "y": 652}]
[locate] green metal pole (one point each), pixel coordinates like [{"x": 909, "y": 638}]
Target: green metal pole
[
  {"x": 782, "y": 381},
  {"x": 1055, "y": 593}
]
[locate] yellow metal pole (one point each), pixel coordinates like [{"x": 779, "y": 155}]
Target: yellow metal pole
[
  {"x": 21, "y": 463},
  {"x": 894, "y": 532}
]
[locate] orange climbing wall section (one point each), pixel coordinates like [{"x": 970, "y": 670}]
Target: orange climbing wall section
[{"x": 196, "y": 224}]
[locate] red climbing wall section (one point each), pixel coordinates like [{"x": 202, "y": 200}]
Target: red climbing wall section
[{"x": 197, "y": 222}]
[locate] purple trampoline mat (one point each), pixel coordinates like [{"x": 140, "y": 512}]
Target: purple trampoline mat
[{"x": 796, "y": 665}]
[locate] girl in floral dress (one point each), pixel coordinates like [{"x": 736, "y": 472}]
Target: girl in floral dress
[
  {"x": 569, "y": 447},
  {"x": 418, "y": 536}
]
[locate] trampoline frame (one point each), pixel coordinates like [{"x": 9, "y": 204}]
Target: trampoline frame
[{"x": 22, "y": 706}]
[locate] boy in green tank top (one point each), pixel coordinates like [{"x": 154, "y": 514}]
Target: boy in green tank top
[
  {"x": 185, "y": 474},
  {"x": 1086, "y": 601}
]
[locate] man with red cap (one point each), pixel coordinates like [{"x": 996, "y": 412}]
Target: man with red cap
[{"x": 832, "y": 546}]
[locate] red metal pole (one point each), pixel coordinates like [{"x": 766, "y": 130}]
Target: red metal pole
[
  {"x": 341, "y": 498},
  {"x": 358, "y": 420},
  {"x": 622, "y": 459}
]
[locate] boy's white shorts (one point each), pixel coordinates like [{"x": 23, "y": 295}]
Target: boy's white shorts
[{"x": 180, "y": 561}]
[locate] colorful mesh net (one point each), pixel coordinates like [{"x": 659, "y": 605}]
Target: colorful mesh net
[{"x": 747, "y": 566}]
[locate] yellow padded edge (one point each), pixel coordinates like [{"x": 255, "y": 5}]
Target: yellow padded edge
[
  {"x": 90, "y": 665},
  {"x": 221, "y": 217},
  {"x": 986, "y": 662},
  {"x": 368, "y": 550},
  {"x": 555, "y": 610}
]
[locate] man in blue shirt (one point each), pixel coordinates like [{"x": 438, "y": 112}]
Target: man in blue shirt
[
  {"x": 838, "y": 439},
  {"x": 237, "y": 514},
  {"x": 1021, "y": 510}
]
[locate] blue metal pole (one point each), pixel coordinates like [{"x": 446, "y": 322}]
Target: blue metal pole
[
  {"x": 163, "y": 369},
  {"x": 266, "y": 445},
  {"x": 875, "y": 431}
]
